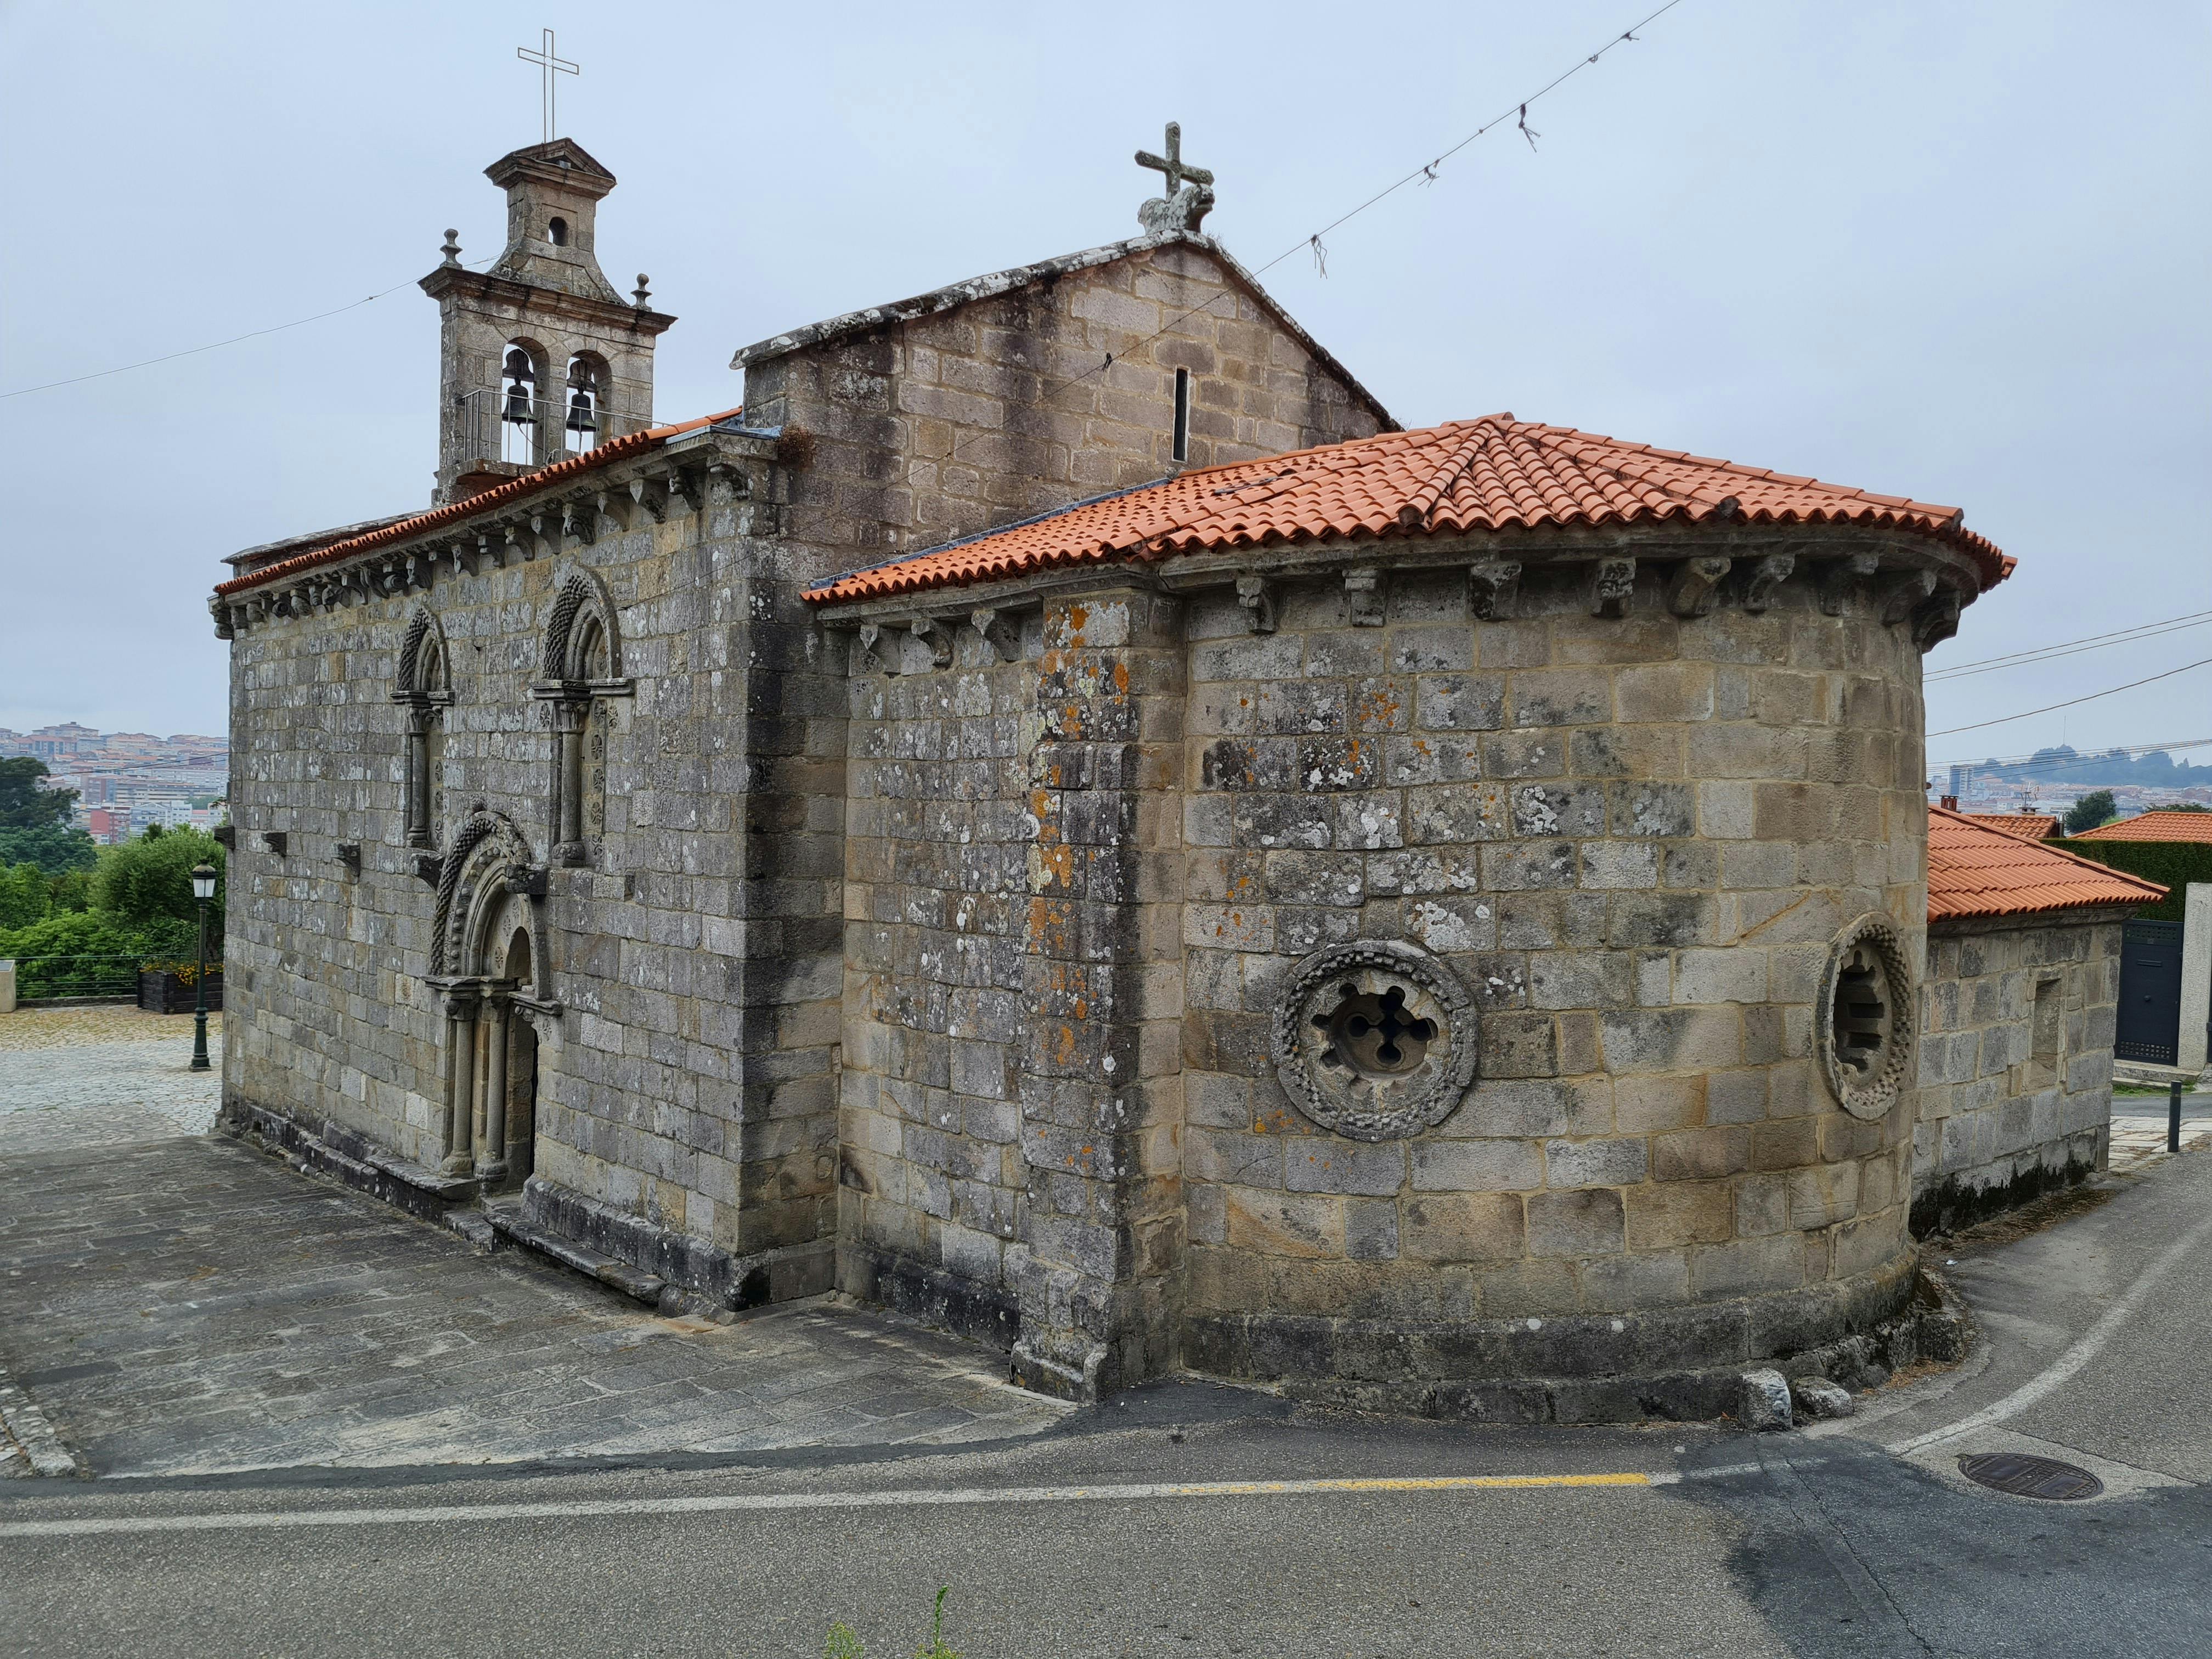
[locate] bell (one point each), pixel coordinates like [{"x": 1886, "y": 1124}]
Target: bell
[
  {"x": 580, "y": 416},
  {"x": 518, "y": 404}
]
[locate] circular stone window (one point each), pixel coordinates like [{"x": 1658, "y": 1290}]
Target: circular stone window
[
  {"x": 1865, "y": 1017},
  {"x": 1375, "y": 1039}
]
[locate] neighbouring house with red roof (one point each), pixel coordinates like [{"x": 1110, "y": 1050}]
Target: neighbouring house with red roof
[
  {"x": 2020, "y": 1007},
  {"x": 2024, "y": 824},
  {"x": 1056, "y": 813},
  {"x": 2154, "y": 825}
]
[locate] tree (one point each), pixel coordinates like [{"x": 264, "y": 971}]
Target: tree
[
  {"x": 23, "y": 805},
  {"x": 2093, "y": 809},
  {"x": 2183, "y": 807},
  {"x": 145, "y": 882},
  {"x": 55, "y": 848},
  {"x": 24, "y": 897}
]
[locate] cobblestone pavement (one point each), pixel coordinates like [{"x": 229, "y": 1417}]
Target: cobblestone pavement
[
  {"x": 180, "y": 1304},
  {"x": 102, "y": 1077}
]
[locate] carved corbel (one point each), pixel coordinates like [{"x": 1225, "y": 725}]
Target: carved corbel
[
  {"x": 1491, "y": 588},
  {"x": 529, "y": 882},
  {"x": 1936, "y": 619},
  {"x": 1612, "y": 585},
  {"x": 617, "y": 505},
  {"x": 1257, "y": 595},
  {"x": 933, "y": 633},
  {"x": 1897, "y": 598},
  {"x": 999, "y": 632},
  {"x": 1769, "y": 573},
  {"x": 275, "y": 840},
  {"x": 1842, "y": 580},
  {"x": 514, "y": 538},
  {"x": 650, "y": 495},
  {"x": 689, "y": 484},
  {"x": 463, "y": 557},
  {"x": 428, "y": 866},
  {"x": 581, "y": 519},
  {"x": 1696, "y": 586},
  {"x": 545, "y": 527},
  {"x": 872, "y": 661},
  {"x": 350, "y": 855},
  {"x": 1363, "y": 596},
  {"x": 731, "y": 477}
]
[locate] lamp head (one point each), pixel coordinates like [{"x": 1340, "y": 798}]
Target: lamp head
[{"x": 203, "y": 882}]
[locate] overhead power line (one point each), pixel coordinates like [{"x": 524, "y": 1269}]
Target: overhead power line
[
  {"x": 2007, "y": 719},
  {"x": 217, "y": 345},
  {"x": 1516, "y": 111},
  {"x": 2071, "y": 648}
]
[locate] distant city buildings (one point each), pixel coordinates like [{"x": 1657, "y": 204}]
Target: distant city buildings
[
  {"x": 1986, "y": 788},
  {"x": 127, "y": 780}
]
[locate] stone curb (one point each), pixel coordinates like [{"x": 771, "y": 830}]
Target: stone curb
[{"x": 26, "y": 1425}]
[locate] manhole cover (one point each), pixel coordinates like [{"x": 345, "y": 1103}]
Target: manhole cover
[{"x": 2029, "y": 1477}]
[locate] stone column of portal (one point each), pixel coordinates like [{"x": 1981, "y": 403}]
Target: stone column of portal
[
  {"x": 567, "y": 781},
  {"x": 1101, "y": 1084},
  {"x": 491, "y": 1138},
  {"x": 2196, "y": 977},
  {"x": 460, "y": 1082}
]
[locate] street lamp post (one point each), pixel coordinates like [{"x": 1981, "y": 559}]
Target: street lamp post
[{"x": 202, "y": 891}]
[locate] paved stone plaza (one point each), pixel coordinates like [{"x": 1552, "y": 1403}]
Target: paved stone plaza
[{"x": 179, "y": 1304}]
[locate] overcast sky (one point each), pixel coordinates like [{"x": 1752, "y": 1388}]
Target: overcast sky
[{"x": 1955, "y": 250}]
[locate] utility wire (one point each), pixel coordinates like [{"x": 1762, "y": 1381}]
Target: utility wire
[
  {"x": 2071, "y": 648},
  {"x": 1518, "y": 110},
  {"x": 194, "y": 351},
  {"x": 2007, "y": 719}
]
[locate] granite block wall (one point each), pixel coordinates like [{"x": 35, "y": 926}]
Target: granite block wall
[
  {"x": 2015, "y": 1062},
  {"x": 1634, "y": 840}
]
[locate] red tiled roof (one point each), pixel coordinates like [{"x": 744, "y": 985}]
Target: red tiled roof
[
  {"x": 2154, "y": 826},
  {"x": 1975, "y": 871},
  {"x": 2028, "y": 826},
  {"x": 529, "y": 484},
  {"x": 1490, "y": 474}
]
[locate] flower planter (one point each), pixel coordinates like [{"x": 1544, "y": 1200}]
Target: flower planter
[{"x": 162, "y": 992}]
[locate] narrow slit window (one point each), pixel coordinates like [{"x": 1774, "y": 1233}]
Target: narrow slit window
[{"x": 1183, "y": 415}]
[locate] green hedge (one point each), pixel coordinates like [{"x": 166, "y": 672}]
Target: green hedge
[{"x": 2174, "y": 864}]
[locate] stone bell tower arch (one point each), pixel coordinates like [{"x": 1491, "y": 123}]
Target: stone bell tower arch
[{"x": 538, "y": 357}]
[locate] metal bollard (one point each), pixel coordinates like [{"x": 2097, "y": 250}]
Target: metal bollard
[{"x": 2173, "y": 1115}]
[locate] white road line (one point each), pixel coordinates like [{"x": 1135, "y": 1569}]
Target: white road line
[
  {"x": 2086, "y": 1348},
  {"x": 727, "y": 1503}
]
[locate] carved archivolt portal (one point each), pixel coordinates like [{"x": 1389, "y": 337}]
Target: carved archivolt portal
[
  {"x": 1375, "y": 1039},
  {"x": 1865, "y": 1015}
]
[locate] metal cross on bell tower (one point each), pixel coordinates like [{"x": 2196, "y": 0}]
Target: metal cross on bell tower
[
  {"x": 550, "y": 65},
  {"x": 1189, "y": 191}
]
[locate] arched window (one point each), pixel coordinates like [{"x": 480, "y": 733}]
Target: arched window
[
  {"x": 581, "y": 665},
  {"x": 585, "y": 422},
  {"x": 557, "y": 231},
  {"x": 521, "y": 404},
  {"x": 423, "y": 687}
]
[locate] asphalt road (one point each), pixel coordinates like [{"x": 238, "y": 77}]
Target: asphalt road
[{"x": 1657, "y": 1540}]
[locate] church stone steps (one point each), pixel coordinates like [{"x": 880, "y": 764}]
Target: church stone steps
[{"x": 508, "y": 1223}]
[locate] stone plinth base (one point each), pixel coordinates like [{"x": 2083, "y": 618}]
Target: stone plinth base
[
  {"x": 959, "y": 1305},
  {"x": 1673, "y": 1364},
  {"x": 351, "y": 1157},
  {"x": 721, "y": 1277}
]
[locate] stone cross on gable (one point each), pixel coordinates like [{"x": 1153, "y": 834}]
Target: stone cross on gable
[{"x": 1189, "y": 189}]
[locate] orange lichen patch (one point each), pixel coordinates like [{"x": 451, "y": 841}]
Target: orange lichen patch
[
  {"x": 2154, "y": 826},
  {"x": 529, "y": 484},
  {"x": 2028, "y": 826},
  {"x": 1463, "y": 477},
  {"x": 1974, "y": 870}
]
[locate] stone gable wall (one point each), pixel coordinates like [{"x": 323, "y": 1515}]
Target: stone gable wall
[
  {"x": 976, "y": 417},
  {"x": 2015, "y": 1063},
  {"x": 1634, "y": 840}
]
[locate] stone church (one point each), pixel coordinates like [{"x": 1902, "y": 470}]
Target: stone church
[{"x": 1056, "y": 814}]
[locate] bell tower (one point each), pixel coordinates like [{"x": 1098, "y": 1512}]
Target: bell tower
[{"x": 538, "y": 357}]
